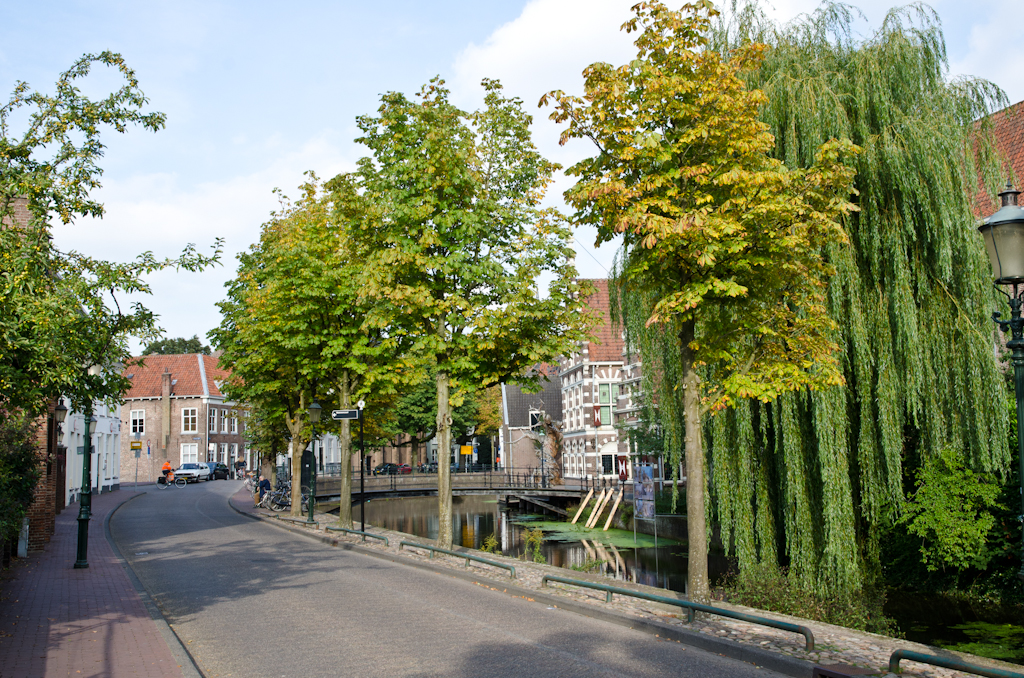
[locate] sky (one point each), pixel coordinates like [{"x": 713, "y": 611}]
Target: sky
[{"x": 257, "y": 93}]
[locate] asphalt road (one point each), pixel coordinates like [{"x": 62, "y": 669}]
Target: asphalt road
[{"x": 251, "y": 600}]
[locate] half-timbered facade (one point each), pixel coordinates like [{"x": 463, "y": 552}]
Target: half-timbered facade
[{"x": 592, "y": 396}]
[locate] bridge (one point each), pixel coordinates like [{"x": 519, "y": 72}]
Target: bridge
[{"x": 509, "y": 485}]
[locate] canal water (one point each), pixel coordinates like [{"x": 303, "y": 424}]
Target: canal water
[
  {"x": 612, "y": 553},
  {"x": 923, "y": 619}
]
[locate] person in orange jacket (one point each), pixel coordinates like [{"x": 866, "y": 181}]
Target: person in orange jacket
[{"x": 166, "y": 469}]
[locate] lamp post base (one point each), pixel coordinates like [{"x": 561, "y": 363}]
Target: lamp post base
[{"x": 83, "y": 543}]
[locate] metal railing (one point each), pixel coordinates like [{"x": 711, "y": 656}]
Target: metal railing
[
  {"x": 458, "y": 554},
  {"x": 691, "y": 607},
  {"x": 954, "y": 663},
  {"x": 363, "y": 534}
]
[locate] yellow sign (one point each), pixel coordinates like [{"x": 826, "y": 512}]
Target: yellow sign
[
  {"x": 136, "y": 445},
  {"x": 466, "y": 449}
]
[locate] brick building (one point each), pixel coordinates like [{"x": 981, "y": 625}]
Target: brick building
[
  {"x": 176, "y": 410},
  {"x": 591, "y": 382}
]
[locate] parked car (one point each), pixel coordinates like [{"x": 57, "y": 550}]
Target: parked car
[
  {"x": 192, "y": 472},
  {"x": 387, "y": 469},
  {"x": 217, "y": 470},
  {"x": 404, "y": 468}
]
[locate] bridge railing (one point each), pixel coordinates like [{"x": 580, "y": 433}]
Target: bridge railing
[{"x": 499, "y": 479}]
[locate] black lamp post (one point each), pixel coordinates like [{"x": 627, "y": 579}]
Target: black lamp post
[
  {"x": 85, "y": 495},
  {"x": 314, "y": 417},
  {"x": 1004, "y": 240}
]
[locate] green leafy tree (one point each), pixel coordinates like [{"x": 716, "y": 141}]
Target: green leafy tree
[
  {"x": 951, "y": 511},
  {"x": 293, "y": 330},
  {"x": 416, "y": 413},
  {"x": 722, "y": 244},
  {"x": 60, "y": 310},
  {"x": 452, "y": 242},
  {"x": 816, "y": 477},
  {"x": 176, "y": 346}
]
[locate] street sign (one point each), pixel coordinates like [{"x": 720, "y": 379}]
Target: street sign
[
  {"x": 344, "y": 414},
  {"x": 138, "y": 453},
  {"x": 136, "y": 445}
]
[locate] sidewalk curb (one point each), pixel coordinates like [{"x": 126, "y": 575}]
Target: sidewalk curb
[
  {"x": 189, "y": 668},
  {"x": 790, "y": 666}
]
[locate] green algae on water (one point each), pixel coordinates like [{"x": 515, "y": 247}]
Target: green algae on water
[{"x": 567, "y": 532}]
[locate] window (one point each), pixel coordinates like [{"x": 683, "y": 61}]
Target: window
[
  {"x": 211, "y": 425},
  {"x": 223, "y": 453},
  {"x": 234, "y": 424},
  {"x": 189, "y": 420},
  {"x": 223, "y": 421},
  {"x": 189, "y": 452},
  {"x": 607, "y": 394},
  {"x": 138, "y": 420},
  {"x": 606, "y": 463},
  {"x": 234, "y": 452}
]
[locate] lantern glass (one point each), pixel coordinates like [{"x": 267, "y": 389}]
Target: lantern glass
[
  {"x": 314, "y": 412},
  {"x": 1005, "y": 244}
]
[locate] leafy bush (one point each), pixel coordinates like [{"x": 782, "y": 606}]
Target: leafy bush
[
  {"x": 18, "y": 470},
  {"x": 533, "y": 540},
  {"x": 770, "y": 588},
  {"x": 951, "y": 511},
  {"x": 490, "y": 544}
]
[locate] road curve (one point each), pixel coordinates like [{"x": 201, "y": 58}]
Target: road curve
[{"x": 253, "y": 601}]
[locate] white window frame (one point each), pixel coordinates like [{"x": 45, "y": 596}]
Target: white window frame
[
  {"x": 189, "y": 420},
  {"x": 223, "y": 421},
  {"x": 223, "y": 457},
  {"x": 211, "y": 420},
  {"x": 234, "y": 452},
  {"x": 234, "y": 424},
  {"x": 137, "y": 421},
  {"x": 189, "y": 453}
]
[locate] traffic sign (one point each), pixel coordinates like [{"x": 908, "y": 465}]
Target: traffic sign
[
  {"x": 136, "y": 445},
  {"x": 344, "y": 414}
]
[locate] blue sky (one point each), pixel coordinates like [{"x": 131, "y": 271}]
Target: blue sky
[{"x": 256, "y": 93}]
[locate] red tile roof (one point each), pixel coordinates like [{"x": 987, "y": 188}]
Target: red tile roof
[
  {"x": 608, "y": 345},
  {"x": 185, "y": 374},
  {"x": 1008, "y": 130}
]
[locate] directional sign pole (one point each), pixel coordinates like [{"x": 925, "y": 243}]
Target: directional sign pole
[{"x": 362, "y": 470}]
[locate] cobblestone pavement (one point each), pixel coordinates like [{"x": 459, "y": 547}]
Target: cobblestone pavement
[
  {"x": 833, "y": 644},
  {"x": 59, "y": 621}
]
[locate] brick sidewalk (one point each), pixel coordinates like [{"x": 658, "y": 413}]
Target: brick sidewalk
[{"x": 59, "y": 621}]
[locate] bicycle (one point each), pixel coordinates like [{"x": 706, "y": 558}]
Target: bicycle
[{"x": 163, "y": 482}]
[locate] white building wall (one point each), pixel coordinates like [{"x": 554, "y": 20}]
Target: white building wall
[{"x": 106, "y": 451}]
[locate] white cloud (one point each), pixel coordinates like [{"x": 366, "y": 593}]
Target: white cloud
[
  {"x": 995, "y": 51},
  {"x": 544, "y": 49},
  {"x": 153, "y": 212}
]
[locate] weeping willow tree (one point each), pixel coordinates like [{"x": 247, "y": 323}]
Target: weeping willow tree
[{"x": 809, "y": 479}]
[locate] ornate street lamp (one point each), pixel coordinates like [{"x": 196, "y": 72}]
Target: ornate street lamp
[
  {"x": 1004, "y": 240},
  {"x": 60, "y": 413},
  {"x": 314, "y": 417}
]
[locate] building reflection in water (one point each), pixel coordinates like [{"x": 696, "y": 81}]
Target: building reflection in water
[{"x": 475, "y": 518}]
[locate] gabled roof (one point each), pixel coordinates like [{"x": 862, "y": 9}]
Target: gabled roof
[
  {"x": 608, "y": 344},
  {"x": 1008, "y": 130},
  {"x": 192, "y": 375}
]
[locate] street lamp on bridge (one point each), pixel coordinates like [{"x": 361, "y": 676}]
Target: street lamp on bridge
[{"x": 1004, "y": 240}]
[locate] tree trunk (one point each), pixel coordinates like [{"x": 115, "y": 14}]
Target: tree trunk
[
  {"x": 345, "y": 456},
  {"x": 298, "y": 447},
  {"x": 697, "y": 564},
  {"x": 444, "y": 474}
]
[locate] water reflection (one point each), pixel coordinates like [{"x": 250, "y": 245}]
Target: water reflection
[{"x": 474, "y": 518}]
